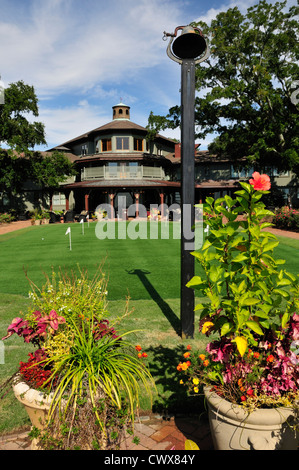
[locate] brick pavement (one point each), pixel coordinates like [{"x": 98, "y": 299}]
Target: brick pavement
[{"x": 155, "y": 434}]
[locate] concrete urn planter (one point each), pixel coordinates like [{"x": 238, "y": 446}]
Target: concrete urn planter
[
  {"x": 36, "y": 403},
  {"x": 232, "y": 428}
]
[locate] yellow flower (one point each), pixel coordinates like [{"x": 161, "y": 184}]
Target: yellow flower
[
  {"x": 181, "y": 382},
  {"x": 195, "y": 389},
  {"x": 196, "y": 381},
  {"x": 207, "y": 326},
  {"x": 202, "y": 357}
]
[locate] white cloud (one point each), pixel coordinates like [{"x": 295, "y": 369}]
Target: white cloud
[
  {"x": 65, "y": 123},
  {"x": 70, "y": 44},
  {"x": 77, "y": 52}
]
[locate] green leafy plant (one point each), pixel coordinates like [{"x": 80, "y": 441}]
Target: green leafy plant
[
  {"x": 45, "y": 214},
  {"x": 250, "y": 305},
  {"x": 6, "y": 218}
]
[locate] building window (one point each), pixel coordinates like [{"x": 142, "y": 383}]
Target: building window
[
  {"x": 133, "y": 169},
  {"x": 279, "y": 172},
  {"x": 122, "y": 143},
  {"x": 58, "y": 199},
  {"x": 241, "y": 173},
  {"x": 112, "y": 170},
  {"x": 138, "y": 145},
  {"x": 84, "y": 149},
  {"x": 106, "y": 145}
]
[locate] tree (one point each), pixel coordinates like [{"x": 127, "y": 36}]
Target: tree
[
  {"x": 48, "y": 170},
  {"x": 20, "y": 162},
  {"x": 13, "y": 172},
  {"x": 15, "y": 129},
  {"x": 248, "y": 83}
]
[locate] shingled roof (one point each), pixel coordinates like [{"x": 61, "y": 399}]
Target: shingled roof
[{"x": 117, "y": 124}]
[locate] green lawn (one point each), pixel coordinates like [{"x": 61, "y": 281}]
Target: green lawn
[
  {"x": 148, "y": 270},
  {"x": 134, "y": 267}
]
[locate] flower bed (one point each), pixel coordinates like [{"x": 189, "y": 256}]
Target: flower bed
[
  {"x": 286, "y": 219},
  {"x": 6, "y": 218}
]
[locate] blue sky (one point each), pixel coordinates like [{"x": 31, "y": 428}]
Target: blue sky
[{"x": 85, "y": 56}]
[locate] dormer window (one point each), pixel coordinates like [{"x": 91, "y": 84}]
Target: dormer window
[
  {"x": 122, "y": 143},
  {"x": 84, "y": 149}
]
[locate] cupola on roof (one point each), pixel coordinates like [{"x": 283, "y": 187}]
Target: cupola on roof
[{"x": 121, "y": 111}]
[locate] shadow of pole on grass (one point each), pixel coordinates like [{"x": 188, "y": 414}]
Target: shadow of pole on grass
[{"x": 166, "y": 310}]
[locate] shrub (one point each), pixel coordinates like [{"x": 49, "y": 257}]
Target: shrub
[
  {"x": 286, "y": 219},
  {"x": 6, "y": 218}
]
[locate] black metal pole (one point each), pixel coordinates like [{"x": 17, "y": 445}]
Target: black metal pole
[{"x": 187, "y": 195}]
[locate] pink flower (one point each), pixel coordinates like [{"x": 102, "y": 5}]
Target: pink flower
[
  {"x": 15, "y": 327},
  {"x": 220, "y": 350},
  {"x": 41, "y": 329},
  {"x": 295, "y": 327},
  {"x": 260, "y": 182},
  {"x": 28, "y": 334},
  {"x": 52, "y": 319}
]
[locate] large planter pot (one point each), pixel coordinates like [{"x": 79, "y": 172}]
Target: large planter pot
[
  {"x": 36, "y": 403},
  {"x": 232, "y": 428}
]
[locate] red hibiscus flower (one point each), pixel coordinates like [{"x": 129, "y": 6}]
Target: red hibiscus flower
[{"x": 260, "y": 182}]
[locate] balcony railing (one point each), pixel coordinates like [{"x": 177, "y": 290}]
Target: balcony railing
[{"x": 104, "y": 172}]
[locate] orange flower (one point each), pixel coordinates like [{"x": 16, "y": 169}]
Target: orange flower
[
  {"x": 189, "y": 347},
  {"x": 270, "y": 358},
  {"x": 240, "y": 384},
  {"x": 183, "y": 365},
  {"x": 202, "y": 357},
  {"x": 260, "y": 182},
  {"x": 256, "y": 355},
  {"x": 206, "y": 362},
  {"x": 187, "y": 364},
  {"x": 144, "y": 355},
  {"x": 138, "y": 348},
  {"x": 186, "y": 355}
]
